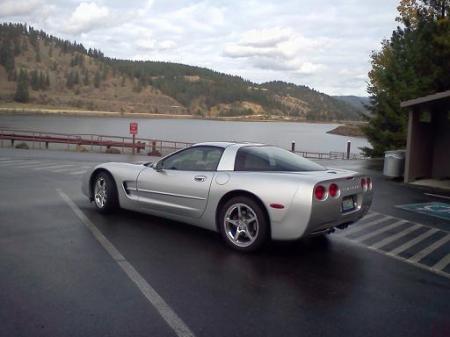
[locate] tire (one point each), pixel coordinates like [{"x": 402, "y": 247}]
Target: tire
[
  {"x": 105, "y": 193},
  {"x": 238, "y": 232}
]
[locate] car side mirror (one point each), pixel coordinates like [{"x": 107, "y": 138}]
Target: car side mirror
[{"x": 158, "y": 166}]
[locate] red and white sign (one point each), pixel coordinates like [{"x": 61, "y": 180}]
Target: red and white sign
[{"x": 133, "y": 128}]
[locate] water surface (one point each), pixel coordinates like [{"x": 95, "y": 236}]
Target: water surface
[{"x": 308, "y": 136}]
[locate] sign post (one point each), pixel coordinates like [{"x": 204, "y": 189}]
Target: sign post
[{"x": 133, "y": 132}]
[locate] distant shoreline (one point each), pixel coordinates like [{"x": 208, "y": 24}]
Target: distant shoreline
[
  {"x": 348, "y": 130},
  {"x": 131, "y": 115}
]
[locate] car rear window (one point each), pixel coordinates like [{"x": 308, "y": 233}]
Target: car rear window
[{"x": 271, "y": 158}]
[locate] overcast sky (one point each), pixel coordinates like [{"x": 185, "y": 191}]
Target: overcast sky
[{"x": 324, "y": 44}]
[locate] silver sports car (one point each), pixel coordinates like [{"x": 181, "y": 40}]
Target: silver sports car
[{"x": 246, "y": 192}]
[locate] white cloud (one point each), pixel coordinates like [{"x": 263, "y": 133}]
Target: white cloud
[
  {"x": 18, "y": 8},
  {"x": 276, "y": 49},
  {"x": 324, "y": 44},
  {"x": 266, "y": 37},
  {"x": 86, "y": 17}
]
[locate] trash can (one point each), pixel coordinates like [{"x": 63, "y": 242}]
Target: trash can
[{"x": 394, "y": 163}]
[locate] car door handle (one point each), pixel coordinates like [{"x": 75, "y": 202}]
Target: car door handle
[{"x": 200, "y": 178}]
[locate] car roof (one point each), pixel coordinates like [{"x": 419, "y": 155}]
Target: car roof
[{"x": 226, "y": 144}]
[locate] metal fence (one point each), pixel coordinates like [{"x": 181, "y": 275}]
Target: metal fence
[
  {"x": 88, "y": 142},
  {"x": 116, "y": 144},
  {"x": 330, "y": 155}
]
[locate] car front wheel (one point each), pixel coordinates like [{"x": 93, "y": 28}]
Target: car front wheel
[
  {"x": 105, "y": 193},
  {"x": 243, "y": 224}
]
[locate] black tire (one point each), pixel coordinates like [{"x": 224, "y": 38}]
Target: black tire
[
  {"x": 110, "y": 201},
  {"x": 243, "y": 235}
]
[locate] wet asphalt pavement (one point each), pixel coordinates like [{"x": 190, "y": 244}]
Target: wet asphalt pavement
[{"x": 57, "y": 280}]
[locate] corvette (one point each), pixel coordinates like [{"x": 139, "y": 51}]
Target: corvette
[{"x": 249, "y": 193}]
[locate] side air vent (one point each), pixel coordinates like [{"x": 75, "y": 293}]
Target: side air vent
[{"x": 129, "y": 187}]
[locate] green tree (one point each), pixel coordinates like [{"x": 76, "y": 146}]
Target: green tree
[
  {"x": 86, "y": 80},
  {"x": 97, "y": 79},
  {"x": 47, "y": 81},
  {"x": 7, "y": 56},
  {"x": 414, "y": 62},
  {"x": 22, "y": 93},
  {"x": 35, "y": 85}
]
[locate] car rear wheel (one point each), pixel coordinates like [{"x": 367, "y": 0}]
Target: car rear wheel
[
  {"x": 243, "y": 224},
  {"x": 105, "y": 193}
]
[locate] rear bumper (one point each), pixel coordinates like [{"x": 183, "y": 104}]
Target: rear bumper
[
  {"x": 317, "y": 218},
  {"x": 343, "y": 221},
  {"x": 325, "y": 218}
]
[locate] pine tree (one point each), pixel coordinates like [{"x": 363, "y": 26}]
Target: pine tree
[
  {"x": 47, "y": 81},
  {"x": 41, "y": 81},
  {"x": 414, "y": 62},
  {"x": 22, "y": 94},
  {"x": 70, "y": 80},
  {"x": 34, "y": 80},
  {"x": 86, "y": 80},
  {"x": 38, "y": 54},
  {"x": 97, "y": 79},
  {"x": 7, "y": 56}
]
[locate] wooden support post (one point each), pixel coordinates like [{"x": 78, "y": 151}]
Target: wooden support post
[
  {"x": 134, "y": 141},
  {"x": 349, "y": 145}
]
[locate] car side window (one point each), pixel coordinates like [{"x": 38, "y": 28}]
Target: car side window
[
  {"x": 198, "y": 158},
  {"x": 252, "y": 161}
]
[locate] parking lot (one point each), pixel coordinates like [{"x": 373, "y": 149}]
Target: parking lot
[{"x": 67, "y": 270}]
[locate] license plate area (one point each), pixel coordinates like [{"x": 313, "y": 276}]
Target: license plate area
[{"x": 348, "y": 203}]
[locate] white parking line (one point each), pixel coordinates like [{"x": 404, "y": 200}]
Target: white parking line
[
  {"x": 370, "y": 215},
  {"x": 40, "y": 164},
  {"x": 399, "y": 258},
  {"x": 413, "y": 242},
  {"x": 78, "y": 172},
  {"x": 166, "y": 312},
  {"x": 380, "y": 230},
  {"x": 429, "y": 249},
  {"x": 442, "y": 263},
  {"x": 29, "y": 164},
  {"x": 437, "y": 195},
  {"x": 360, "y": 227},
  {"x": 394, "y": 237},
  {"x": 65, "y": 169},
  {"x": 50, "y": 167},
  {"x": 12, "y": 162}
]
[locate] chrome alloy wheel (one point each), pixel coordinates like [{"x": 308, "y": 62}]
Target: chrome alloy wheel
[
  {"x": 241, "y": 225},
  {"x": 100, "y": 192}
]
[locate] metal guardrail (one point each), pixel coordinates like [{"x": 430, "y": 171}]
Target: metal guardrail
[
  {"x": 89, "y": 142},
  {"x": 105, "y": 143},
  {"x": 330, "y": 155}
]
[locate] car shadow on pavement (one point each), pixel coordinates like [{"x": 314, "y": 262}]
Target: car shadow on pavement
[{"x": 303, "y": 266}]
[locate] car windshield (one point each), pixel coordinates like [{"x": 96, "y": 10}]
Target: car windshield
[{"x": 270, "y": 158}]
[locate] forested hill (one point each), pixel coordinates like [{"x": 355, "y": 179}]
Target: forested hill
[{"x": 41, "y": 70}]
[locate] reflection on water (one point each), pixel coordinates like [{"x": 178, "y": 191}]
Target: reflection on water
[{"x": 308, "y": 136}]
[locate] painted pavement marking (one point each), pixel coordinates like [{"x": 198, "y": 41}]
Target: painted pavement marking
[
  {"x": 394, "y": 237},
  {"x": 429, "y": 249},
  {"x": 167, "y": 313}
]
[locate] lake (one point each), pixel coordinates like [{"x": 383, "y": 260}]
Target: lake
[{"x": 308, "y": 136}]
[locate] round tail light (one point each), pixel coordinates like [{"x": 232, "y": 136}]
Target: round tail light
[
  {"x": 333, "y": 190},
  {"x": 364, "y": 184},
  {"x": 320, "y": 192}
]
